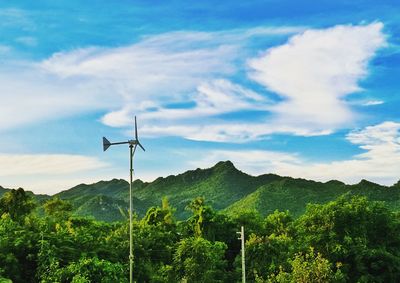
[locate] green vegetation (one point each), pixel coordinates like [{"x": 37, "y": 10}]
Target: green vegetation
[
  {"x": 223, "y": 186},
  {"x": 184, "y": 230},
  {"x": 350, "y": 239}
]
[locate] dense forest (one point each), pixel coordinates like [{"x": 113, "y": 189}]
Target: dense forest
[
  {"x": 223, "y": 186},
  {"x": 349, "y": 239}
]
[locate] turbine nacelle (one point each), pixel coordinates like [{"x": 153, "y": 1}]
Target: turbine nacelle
[{"x": 107, "y": 143}]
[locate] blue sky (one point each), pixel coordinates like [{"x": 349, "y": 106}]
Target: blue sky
[{"x": 295, "y": 88}]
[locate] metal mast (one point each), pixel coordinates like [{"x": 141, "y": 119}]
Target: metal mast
[
  {"x": 241, "y": 233},
  {"x": 132, "y": 148}
]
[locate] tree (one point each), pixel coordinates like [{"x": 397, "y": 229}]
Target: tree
[
  {"x": 266, "y": 254},
  {"x": 305, "y": 268},
  {"x": 17, "y": 204},
  {"x": 202, "y": 214},
  {"x": 57, "y": 208},
  {"x": 278, "y": 223},
  {"x": 86, "y": 270},
  {"x": 361, "y": 235},
  {"x": 199, "y": 260},
  {"x": 18, "y": 248}
]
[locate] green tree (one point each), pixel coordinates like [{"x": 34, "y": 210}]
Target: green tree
[
  {"x": 251, "y": 220},
  {"x": 278, "y": 223},
  {"x": 18, "y": 248},
  {"x": 199, "y": 260},
  {"x": 57, "y": 208},
  {"x": 361, "y": 235},
  {"x": 266, "y": 254},
  {"x": 202, "y": 215},
  {"x": 306, "y": 268},
  {"x": 17, "y": 203},
  {"x": 86, "y": 270}
]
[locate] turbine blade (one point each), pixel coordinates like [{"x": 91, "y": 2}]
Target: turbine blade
[
  {"x": 136, "y": 135},
  {"x": 106, "y": 144},
  {"x": 141, "y": 146}
]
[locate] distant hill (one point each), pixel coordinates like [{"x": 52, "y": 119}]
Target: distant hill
[
  {"x": 3, "y": 191},
  {"x": 223, "y": 186},
  {"x": 38, "y": 197},
  {"x": 294, "y": 194}
]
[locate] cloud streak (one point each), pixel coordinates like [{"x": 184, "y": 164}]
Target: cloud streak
[
  {"x": 184, "y": 81},
  {"x": 49, "y": 173},
  {"x": 33, "y": 164},
  {"x": 379, "y": 163}
]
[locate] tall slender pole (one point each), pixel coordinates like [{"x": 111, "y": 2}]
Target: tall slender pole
[
  {"x": 132, "y": 148},
  {"x": 241, "y": 233},
  {"x": 130, "y": 217},
  {"x": 243, "y": 257}
]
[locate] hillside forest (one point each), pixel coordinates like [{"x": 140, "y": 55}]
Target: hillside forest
[{"x": 350, "y": 238}]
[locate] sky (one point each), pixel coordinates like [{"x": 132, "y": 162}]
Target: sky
[{"x": 302, "y": 88}]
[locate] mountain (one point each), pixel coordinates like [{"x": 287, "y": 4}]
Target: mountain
[
  {"x": 223, "y": 186},
  {"x": 39, "y": 197},
  {"x": 3, "y": 191},
  {"x": 294, "y": 195},
  {"x": 220, "y": 185}
]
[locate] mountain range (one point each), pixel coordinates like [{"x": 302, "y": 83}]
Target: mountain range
[{"x": 223, "y": 186}]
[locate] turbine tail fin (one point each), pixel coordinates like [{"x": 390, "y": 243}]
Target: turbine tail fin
[{"x": 106, "y": 144}]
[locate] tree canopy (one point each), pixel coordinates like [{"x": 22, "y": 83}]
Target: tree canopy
[{"x": 350, "y": 239}]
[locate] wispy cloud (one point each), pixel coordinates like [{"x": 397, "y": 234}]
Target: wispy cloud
[
  {"x": 315, "y": 70},
  {"x": 33, "y": 164},
  {"x": 379, "y": 163},
  {"x": 373, "y": 102},
  {"x": 14, "y": 17},
  {"x": 29, "y": 95},
  {"x": 49, "y": 173},
  {"x": 172, "y": 80},
  {"x": 27, "y": 40},
  {"x": 175, "y": 67}
]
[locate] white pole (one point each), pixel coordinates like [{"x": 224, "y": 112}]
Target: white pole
[
  {"x": 130, "y": 217},
  {"x": 243, "y": 257},
  {"x": 241, "y": 233}
]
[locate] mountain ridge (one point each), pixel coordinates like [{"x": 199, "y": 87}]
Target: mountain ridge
[{"x": 223, "y": 186}]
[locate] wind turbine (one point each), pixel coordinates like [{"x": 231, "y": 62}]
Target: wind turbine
[{"x": 132, "y": 148}]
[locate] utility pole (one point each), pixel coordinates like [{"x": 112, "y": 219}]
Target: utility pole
[
  {"x": 132, "y": 148},
  {"x": 241, "y": 233}
]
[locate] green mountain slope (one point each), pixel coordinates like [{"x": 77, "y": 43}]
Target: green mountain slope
[
  {"x": 223, "y": 186},
  {"x": 39, "y": 197},
  {"x": 294, "y": 194},
  {"x": 3, "y": 191},
  {"x": 220, "y": 185}
]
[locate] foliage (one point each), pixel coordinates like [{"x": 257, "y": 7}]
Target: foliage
[
  {"x": 57, "y": 208},
  {"x": 199, "y": 260},
  {"x": 363, "y": 236},
  {"x": 309, "y": 267},
  {"x": 349, "y": 239},
  {"x": 16, "y": 203},
  {"x": 86, "y": 270}
]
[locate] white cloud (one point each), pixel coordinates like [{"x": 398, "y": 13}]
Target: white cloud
[
  {"x": 29, "y": 95},
  {"x": 312, "y": 73},
  {"x": 315, "y": 70},
  {"x": 236, "y": 132},
  {"x": 176, "y": 67},
  {"x": 379, "y": 163},
  {"x": 48, "y": 173},
  {"x": 373, "y": 102},
  {"x": 33, "y": 164}
]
